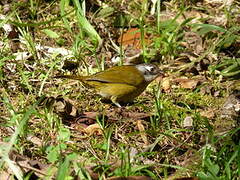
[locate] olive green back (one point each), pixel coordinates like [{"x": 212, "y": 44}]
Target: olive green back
[{"x": 119, "y": 75}]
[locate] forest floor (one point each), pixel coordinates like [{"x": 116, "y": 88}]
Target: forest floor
[{"x": 185, "y": 124}]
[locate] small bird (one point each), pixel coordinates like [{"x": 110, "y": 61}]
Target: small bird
[{"x": 120, "y": 83}]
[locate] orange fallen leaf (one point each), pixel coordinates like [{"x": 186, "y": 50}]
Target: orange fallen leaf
[{"x": 132, "y": 37}]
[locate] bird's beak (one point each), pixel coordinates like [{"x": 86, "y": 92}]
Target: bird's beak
[{"x": 161, "y": 73}]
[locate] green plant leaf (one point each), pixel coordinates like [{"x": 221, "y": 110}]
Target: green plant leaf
[
  {"x": 205, "y": 28},
  {"x": 51, "y": 33},
  {"x": 53, "y": 154},
  {"x": 63, "y": 4},
  {"x": 105, "y": 12},
  {"x": 64, "y": 134},
  {"x": 63, "y": 169},
  {"x": 84, "y": 24}
]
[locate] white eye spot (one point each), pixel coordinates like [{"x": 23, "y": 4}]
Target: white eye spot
[{"x": 149, "y": 68}]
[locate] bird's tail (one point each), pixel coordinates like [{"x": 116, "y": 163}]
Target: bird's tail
[{"x": 80, "y": 78}]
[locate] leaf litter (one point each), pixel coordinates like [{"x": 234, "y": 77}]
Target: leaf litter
[{"x": 132, "y": 125}]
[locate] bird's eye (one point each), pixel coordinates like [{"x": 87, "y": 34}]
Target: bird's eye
[{"x": 152, "y": 69}]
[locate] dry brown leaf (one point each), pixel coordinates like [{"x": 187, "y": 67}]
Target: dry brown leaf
[
  {"x": 166, "y": 84},
  {"x": 219, "y": 20},
  {"x": 132, "y": 154},
  {"x": 130, "y": 178},
  {"x": 188, "y": 122},
  {"x": 35, "y": 140},
  {"x": 94, "y": 175},
  {"x": 5, "y": 175},
  {"x": 23, "y": 165},
  {"x": 169, "y": 15},
  {"x": 132, "y": 56},
  {"x": 28, "y": 167},
  {"x": 84, "y": 120},
  {"x": 187, "y": 83},
  {"x": 194, "y": 42},
  {"x": 207, "y": 113},
  {"x": 142, "y": 130},
  {"x": 94, "y": 128},
  {"x": 135, "y": 115},
  {"x": 90, "y": 115},
  {"x": 218, "y": 3},
  {"x": 187, "y": 178}
]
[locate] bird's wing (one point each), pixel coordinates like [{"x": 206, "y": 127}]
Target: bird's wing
[{"x": 119, "y": 75}]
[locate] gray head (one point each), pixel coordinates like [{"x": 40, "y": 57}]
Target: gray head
[{"x": 149, "y": 71}]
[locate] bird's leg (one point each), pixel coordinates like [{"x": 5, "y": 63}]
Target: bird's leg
[{"x": 114, "y": 100}]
